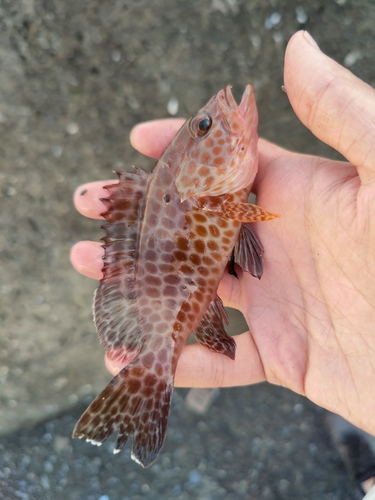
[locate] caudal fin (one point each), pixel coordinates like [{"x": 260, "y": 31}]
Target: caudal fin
[{"x": 135, "y": 403}]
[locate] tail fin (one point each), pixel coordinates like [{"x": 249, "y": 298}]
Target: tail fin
[{"x": 136, "y": 403}]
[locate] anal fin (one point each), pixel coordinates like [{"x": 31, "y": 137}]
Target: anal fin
[{"x": 211, "y": 332}]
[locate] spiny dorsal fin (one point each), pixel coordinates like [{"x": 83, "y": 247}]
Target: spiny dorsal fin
[
  {"x": 248, "y": 253},
  {"x": 211, "y": 332},
  {"x": 115, "y": 310}
]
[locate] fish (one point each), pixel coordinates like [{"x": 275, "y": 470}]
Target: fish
[{"x": 169, "y": 237}]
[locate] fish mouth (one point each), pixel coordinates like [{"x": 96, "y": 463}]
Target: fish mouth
[
  {"x": 246, "y": 101},
  {"x": 227, "y": 96}
]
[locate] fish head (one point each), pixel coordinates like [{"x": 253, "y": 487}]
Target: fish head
[{"x": 220, "y": 155}]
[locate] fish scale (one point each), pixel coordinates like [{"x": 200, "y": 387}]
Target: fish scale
[{"x": 169, "y": 237}]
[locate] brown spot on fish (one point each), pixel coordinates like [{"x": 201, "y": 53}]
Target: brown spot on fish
[
  {"x": 214, "y": 231},
  {"x": 204, "y": 171},
  {"x": 201, "y": 230},
  {"x": 133, "y": 385},
  {"x": 218, "y": 162},
  {"x": 205, "y": 158},
  {"x": 186, "y": 269},
  {"x": 195, "y": 259},
  {"x": 179, "y": 255},
  {"x": 83, "y": 192},
  {"x": 153, "y": 280},
  {"x": 183, "y": 244},
  {"x": 208, "y": 261},
  {"x": 203, "y": 271},
  {"x": 199, "y": 246},
  {"x": 200, "y": 217}
]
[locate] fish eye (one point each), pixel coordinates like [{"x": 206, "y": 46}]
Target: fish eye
[{"x": 204, "y": 126}]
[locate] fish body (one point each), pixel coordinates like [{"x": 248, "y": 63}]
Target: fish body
[{"x": 169, "y": 237}]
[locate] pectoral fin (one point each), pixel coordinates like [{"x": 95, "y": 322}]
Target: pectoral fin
[
  {"x": 248, "y": 253},
  {"x": 243, "y": 212},
  {"x": 211, "y": 332}
]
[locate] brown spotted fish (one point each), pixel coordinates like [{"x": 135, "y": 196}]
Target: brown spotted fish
[{"x": 169, "y": 237}]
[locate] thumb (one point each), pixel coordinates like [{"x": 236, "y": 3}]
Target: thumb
[{"x": 335, "y": 105}]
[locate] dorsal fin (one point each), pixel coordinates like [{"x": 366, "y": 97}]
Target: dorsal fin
[
  {"x": 115, "y": 311},
  {"x": 211, "y": 332}
]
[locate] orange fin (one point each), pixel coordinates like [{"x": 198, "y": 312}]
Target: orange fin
[
  {"x": 211, "y": 332},
  {"x": 135, "y": 403},
  {"x": 248, "y": 253},
  {"x": 243, "y": 212}
]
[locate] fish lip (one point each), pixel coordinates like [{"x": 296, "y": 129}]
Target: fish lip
[
  {"x": 246, "y": 101},
  {"x": 229, "y": 101}
]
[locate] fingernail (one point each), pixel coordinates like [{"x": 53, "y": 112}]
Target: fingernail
[{"x": 309, "y": 39}]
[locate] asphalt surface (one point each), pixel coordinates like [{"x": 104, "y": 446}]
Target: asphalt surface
[
  {"x": 74, "y": 78},
  {"x": 255, "y": 442}
]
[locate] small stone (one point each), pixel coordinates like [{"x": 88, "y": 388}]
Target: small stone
[
  {"x": 56, "y": 151},
  {"x": 72, "y": 128},
  {"x": 48, "y": 466},
  {"x": 199, "y": 400},
  {"x": 352, "y": 57},
  {"x": 256, "y": 41},
  {"x": 283, "y": 485},
  {"x": 301, "y": 15},
  {"x": 116, "y": 56},
  {"x": 194, "y": 477},
  {"x": 44, "y": 481},
  {"x": 133, "y": 102},
  {"x": 272, "y": 20},
  {"x": 278, "y": 37},
  {"x": 73, "y": 398},
  {"x": 60, "y": 443},
  {"x": 172, "y": 106},
  {"x": 298, "y": 408}
]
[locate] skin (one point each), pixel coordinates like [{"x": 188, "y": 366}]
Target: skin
[{"x": 311, "y": 316}]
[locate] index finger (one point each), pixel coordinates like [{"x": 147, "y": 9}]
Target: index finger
[
  {"x": 152, "y": 138},
  {"x": 149, "y": 138},
  {"x": 87, "y": 198}
]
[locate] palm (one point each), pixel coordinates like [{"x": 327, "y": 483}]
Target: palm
[{"x": 305, "y": 313}]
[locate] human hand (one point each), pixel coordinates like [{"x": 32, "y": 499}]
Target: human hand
[{"x": 311, "y": 316}]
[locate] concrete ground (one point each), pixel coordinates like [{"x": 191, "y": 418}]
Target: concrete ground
[{"x": 74, "y": 78}]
